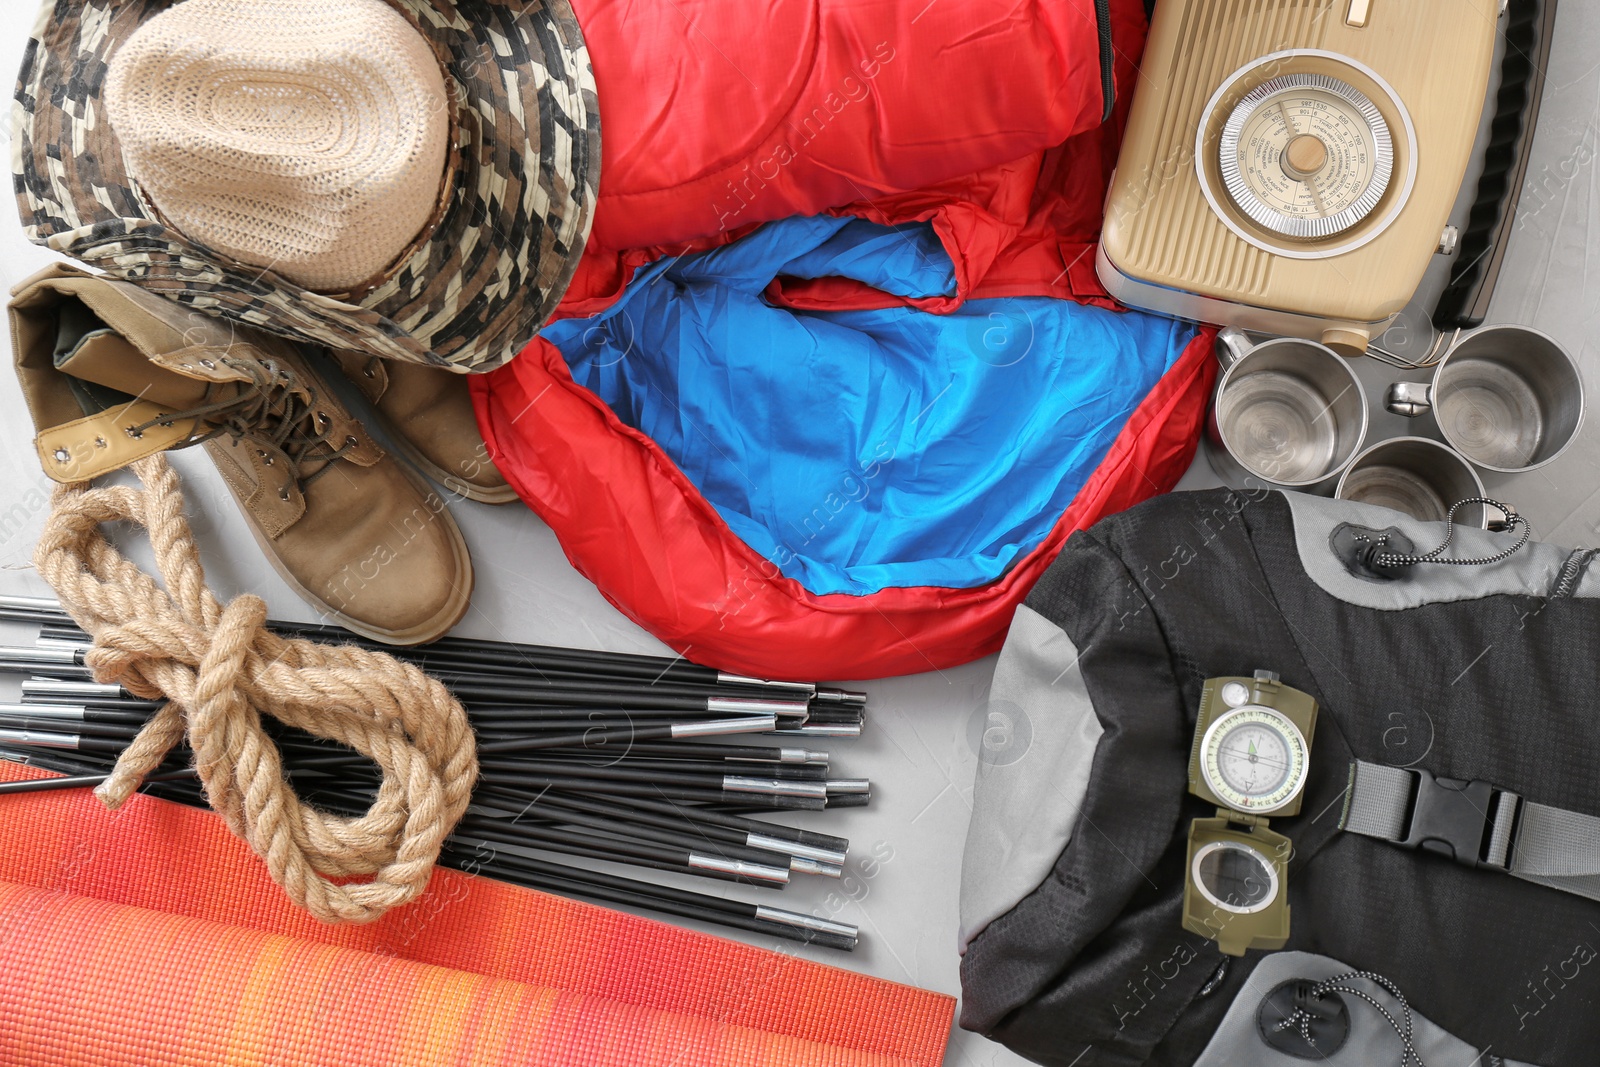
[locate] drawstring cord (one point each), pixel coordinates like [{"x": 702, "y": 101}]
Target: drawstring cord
[
  {"x": 1392, "y": 560},
  {"x": 1339, "y": 983}
]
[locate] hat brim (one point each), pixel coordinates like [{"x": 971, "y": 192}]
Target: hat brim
[{"x": 468, "y": 295}]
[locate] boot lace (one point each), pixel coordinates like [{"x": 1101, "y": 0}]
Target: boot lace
[{"x": 275, "y": 404}]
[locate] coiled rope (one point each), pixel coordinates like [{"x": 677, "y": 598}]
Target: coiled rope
[{"x": 220, "y": 670}]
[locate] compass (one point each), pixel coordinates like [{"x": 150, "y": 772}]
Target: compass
[
  {"x": 1306, "y": 156},
  {"x": 1251, "y": 757},
  {"x": 1254, "y": 759}
]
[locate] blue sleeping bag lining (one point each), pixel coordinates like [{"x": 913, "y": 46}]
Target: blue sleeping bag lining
[{"x": 865, "y": 450}]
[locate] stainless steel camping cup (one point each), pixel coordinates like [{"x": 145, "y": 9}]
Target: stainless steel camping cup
[
  {"x": 1508, "y": 398},
  {"x": 1417, "y": 476},
  {"x": 1287, "y": 413}
]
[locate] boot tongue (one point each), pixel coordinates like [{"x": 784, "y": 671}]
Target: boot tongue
[{"x": 105, "y": 358}]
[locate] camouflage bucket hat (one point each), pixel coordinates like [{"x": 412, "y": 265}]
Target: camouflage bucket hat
[{"x": 474, "y": 286}]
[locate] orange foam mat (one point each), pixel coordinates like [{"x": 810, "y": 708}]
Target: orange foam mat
[
  {"x": 157, "y": 930},
  {"x": 94, "y": 983}
]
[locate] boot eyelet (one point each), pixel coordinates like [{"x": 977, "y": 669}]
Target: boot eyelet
[
  {"x": 351, "y": 441},
  {"x": 283, "y": 494},
  {"x": 207, "y": 364},
  {"x": 133, "y": 432},
  {"x": 62, "y": 455},
  {"x": 368, "y": 372},
  {"x": 99, "y": 442},
  {"x": 322, "y": 418}
]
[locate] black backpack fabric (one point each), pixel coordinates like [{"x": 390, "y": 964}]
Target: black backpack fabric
[{"x": 1074, "y": 952}]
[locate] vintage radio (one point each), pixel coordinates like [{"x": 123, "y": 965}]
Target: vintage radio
[{"x": 1290, "y": 166}]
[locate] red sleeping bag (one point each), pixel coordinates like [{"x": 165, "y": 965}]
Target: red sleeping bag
[{"x": 982, "y": 118}]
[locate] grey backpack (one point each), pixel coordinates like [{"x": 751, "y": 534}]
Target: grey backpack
[{"x": 1445, "y": 861}]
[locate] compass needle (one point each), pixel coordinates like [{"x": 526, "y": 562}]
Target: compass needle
[{"x": 1256, "y": 758}]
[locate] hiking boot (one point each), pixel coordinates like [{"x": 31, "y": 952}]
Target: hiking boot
[
  {"x": 113, "y": 373},
  {"x": 428, "y": 413}
]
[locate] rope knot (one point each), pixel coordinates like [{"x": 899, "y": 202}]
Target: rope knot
[
  {"x": 124, "y": 653},
  {"x": 221, "y": 670},
  {"x": 243, "y": 621}
]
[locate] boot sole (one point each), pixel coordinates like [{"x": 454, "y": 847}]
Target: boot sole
[{"x": 441, "y": 623}]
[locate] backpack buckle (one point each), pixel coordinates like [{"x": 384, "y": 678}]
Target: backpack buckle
[{"x": 1452, "y": 817}]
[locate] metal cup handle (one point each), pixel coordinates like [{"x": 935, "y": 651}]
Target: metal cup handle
[
  {"x": 1409, "y": 399},
  {"x": 1232, "y": 346}
]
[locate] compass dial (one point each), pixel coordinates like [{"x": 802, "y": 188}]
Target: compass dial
[
  {"x": 1306, "y": 155},
  {"x": 1254, "y": 759}
]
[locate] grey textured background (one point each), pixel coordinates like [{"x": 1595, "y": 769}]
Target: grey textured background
[{"x": 919, "y": 748}]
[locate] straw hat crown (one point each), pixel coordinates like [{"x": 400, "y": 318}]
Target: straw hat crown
[{"x": 305, "y": 137}]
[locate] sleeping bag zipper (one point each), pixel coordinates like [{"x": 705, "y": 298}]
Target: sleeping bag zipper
[{"x": 1108, "y": 59}]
